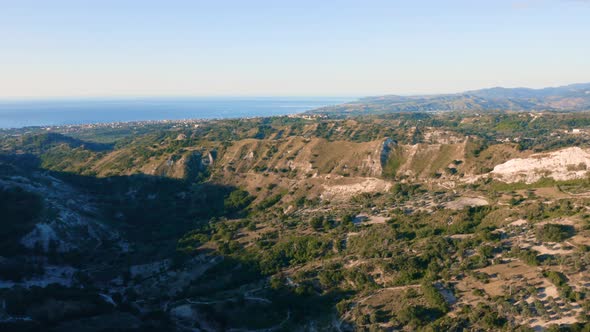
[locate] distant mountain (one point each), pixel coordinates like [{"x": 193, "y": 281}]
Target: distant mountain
[{"x": 575, "y": 97}]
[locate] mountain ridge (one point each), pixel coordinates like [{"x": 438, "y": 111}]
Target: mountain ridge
[{"x": 573, "y": 97}]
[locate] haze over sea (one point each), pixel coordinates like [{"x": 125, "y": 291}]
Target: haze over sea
[{"x": 55, "y": 112}]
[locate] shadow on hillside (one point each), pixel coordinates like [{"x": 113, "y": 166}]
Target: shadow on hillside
[
  {"x": 149, "y": 209},
  {"x": 154, "y": 212},
  {"x": 235, "y": 294},
  {"x": 41, "y": 142}
]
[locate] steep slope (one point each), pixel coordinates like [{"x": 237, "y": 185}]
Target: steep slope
[
  {"x": 307, "y": 157},
  {"x": 71, "y": 221},
  {"x": 309, "y": 167}
]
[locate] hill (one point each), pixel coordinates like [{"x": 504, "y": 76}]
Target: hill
[
  {"x": 402, "y": 222},
  {"x": 575, "y": 97}
]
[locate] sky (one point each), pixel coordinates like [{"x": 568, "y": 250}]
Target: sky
[{"x": 78, "y": 48}]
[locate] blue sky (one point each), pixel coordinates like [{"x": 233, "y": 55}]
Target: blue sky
[{"x": 283, "y": 47}]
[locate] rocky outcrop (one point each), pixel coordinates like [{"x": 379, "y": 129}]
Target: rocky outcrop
[
  {"x": 196, "y": 164},
  {"x": 190, "y": 166},
  {"x": 386, "y": 149},
  {"x": 566, "y": 164}
]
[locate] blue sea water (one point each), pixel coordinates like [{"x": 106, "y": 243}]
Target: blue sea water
[{"x": 53, "y": 112}]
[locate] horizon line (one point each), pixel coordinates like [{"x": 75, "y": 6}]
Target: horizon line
[{"x": 235, "y": 96}]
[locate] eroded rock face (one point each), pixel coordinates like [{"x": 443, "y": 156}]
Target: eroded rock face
[
  {"x": 196, "y": 163},
  {"x": 307, "y": 157},
  {"x": 345, "y": 188},
  {"x": 375, "y": 162},
  {"x": 386, "y": 149},
  {"x": 74, "y": 223},
  {"x": 188, "y": 166},
  {"x": 566, "y": 164}
]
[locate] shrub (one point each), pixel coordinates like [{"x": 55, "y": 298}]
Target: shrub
[
  {"x": 554, "y": 232},
  {"x": 237, "y": 200}
]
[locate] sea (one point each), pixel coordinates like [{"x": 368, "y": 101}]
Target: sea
[{"x": 57, "y": 112}]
